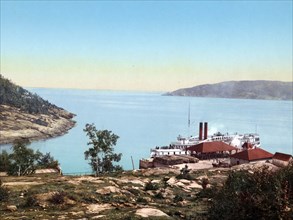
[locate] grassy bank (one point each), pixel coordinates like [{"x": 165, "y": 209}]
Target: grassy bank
[
  {"x": 249, "y": 191},
  {"x": 119, "y": 196}
]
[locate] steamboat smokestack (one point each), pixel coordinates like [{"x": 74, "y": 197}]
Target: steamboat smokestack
[
  {"x": 200, "y": 131},
  {"x": 205, "y": 131}
]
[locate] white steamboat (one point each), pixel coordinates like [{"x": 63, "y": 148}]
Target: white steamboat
[{"x": 180, "y": 146}]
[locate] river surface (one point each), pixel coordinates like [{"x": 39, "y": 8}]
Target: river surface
[{"x": 144, "y": 120}]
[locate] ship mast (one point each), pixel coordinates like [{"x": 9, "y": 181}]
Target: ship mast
[
  {"x": 189, "y": 115},
  {"x": 188, "y": 118}
]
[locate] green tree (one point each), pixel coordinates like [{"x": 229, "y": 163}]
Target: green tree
[
  {"x": 4, "y": 161},
  {"x": 101, "y": 153},
  {"x": 47, "y": 161},
  {"x": 16, "y": 96},
  {"x": 23, "y": 159}
]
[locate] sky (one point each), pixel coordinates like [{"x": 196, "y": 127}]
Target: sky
[{"x": 144, "y": 45}]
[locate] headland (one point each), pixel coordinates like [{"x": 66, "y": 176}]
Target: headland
[{"x": 16, "y": 124}]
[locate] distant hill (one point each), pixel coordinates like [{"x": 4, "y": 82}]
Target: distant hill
[
  {"x": 259, "y": 89},
  {"x": 27, "y": 115}
]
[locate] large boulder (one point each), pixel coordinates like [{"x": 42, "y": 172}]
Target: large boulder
[
  {"x": 172, "y": 181},
  {"x": 150, "y": 212},
  {"x": 11, "y": 208}
]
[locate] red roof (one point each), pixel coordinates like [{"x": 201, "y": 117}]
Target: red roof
[
  {"x": 253, "y": 154},
  {"x": 211, "y": 147},
  {"x": 281, "y": 156}
]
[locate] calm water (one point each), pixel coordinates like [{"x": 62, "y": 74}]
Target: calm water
[{"x": 144, "y": 120}]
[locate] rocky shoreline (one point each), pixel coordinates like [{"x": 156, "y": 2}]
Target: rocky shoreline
[{"x": 16, "y": 124}]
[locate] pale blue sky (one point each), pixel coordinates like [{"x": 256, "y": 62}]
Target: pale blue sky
[{"x": 144, "y": 45}]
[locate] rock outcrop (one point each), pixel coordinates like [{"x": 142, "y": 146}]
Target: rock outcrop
[
  {"x": 24, "y": 114},
  {"x": 16, "y": 124}
]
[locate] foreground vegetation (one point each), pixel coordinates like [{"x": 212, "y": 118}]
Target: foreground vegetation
[
  {"x": 203, "y": 194},
  {"x": 25, "y": 161},
  {"x": 116, "y": 196},
  {"x": 258, "y": 194}
]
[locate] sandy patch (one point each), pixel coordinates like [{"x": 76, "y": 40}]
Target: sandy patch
[
  {"x": 91, "y": 179},
  {"x": 202, "y": 164},
  {"x": 22, "y": 183},
  {"x": 3, "y": 174},
  {"x": 46, "y": 171}
]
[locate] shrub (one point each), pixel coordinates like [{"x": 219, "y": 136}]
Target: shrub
[
  {"x": 151, "y": 186},
  {"x": 186, "y": 176},
  {"x": 88, "y": 198},
  {"x": 165, "y": 181},
  {"x": 58, "y": 198},
  {"x": 159, "y": 195},
  {"x": 141, "y": 200},
  {"x": 207, "y": 193},
  {"x": 178, "y": 198},
  {"x": 4, "y": 161},
  {"x": 31, "y": 201},
  {"x": 4, "y": 193},
  {"x": 205, "y": 182},
  {"x": 135, "y": 192},
  {"x": 262, "y": 194},
  {"x": 73, "y": 197}
]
